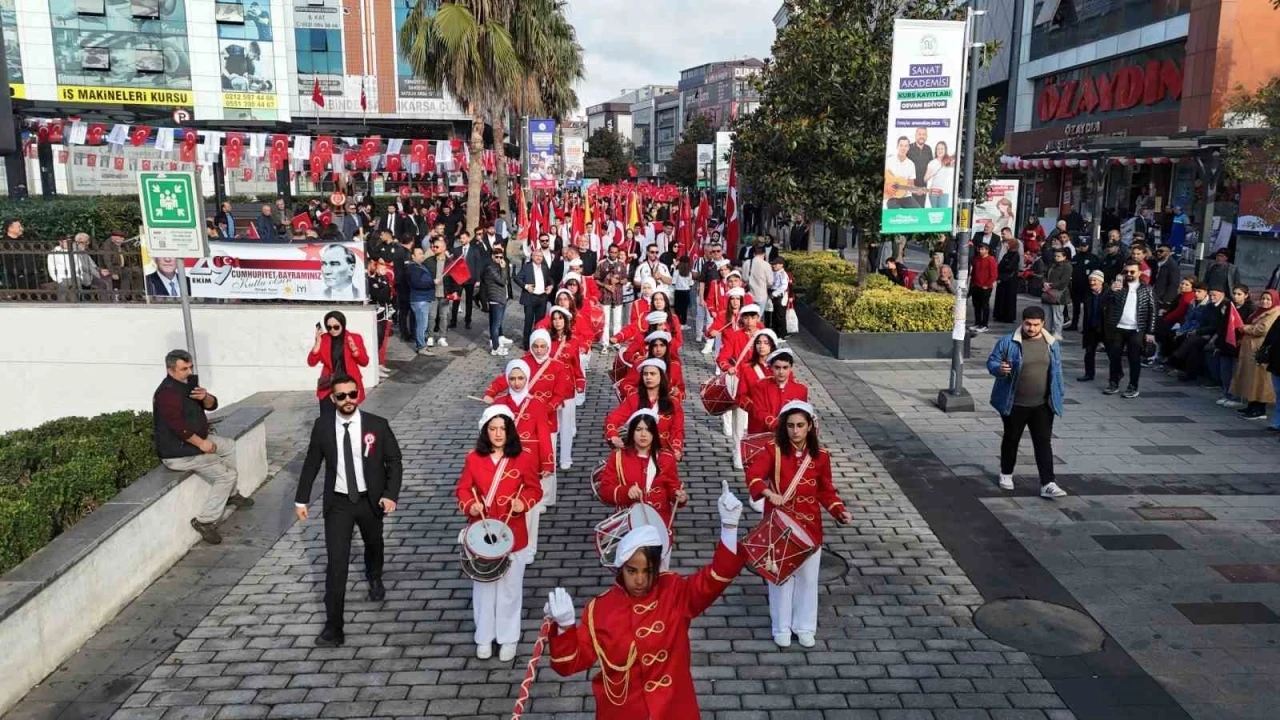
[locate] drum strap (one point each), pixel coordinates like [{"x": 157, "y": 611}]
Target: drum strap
[
  {"x": 795, "y": 480},
  {"x": 650, "y": 470},
  {"x": 498, "y": 473},
  {"x": 541, "y": 369}
]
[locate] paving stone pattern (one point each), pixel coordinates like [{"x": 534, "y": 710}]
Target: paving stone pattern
[{"x": 896, "y": 638}]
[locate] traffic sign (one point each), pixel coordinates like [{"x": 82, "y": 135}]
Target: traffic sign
[{"x": 172, "y": 213}]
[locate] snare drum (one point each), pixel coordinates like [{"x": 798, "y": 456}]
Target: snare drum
[
  {"x": 717, "y": 394},
  {"x": 486, "y": 549},
  {"x": 619, "y": 369},
  {"x": 611, "y": 530},
  {"x": 753, "y": 444},
  {"x": 777, "y": 547},
  {"x": 597, "y": 476}
]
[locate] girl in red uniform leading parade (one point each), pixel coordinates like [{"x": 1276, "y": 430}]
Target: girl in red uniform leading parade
[
  {"x": 643, "y": 472},
  {"x": 794, "y": 477},
  {"x": 736, "y": 347},
  {"x": 638, "y": 630},
  {"x": 500, "y": 481},
  {"x": 654, "y": 392},
  {"x": 768, "y": 396},
  {"x": 531, "y": 415},
  {"x": 565, "y": 348},
  {"x": 658, "y": 344}
]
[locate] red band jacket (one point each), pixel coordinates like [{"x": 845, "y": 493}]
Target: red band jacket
[
  {"x": 642, "y": 644},
  {"x": 814, "y": 490},
  {"x": 675, "y": 379},
  {"x": 519, "y": 481},
  {"x": 553, "y": 386},
  {"x": 532, "y": 427},
  {"x": 766, "y": 401},
  {"x": 670, "y": 425},
  {"x": 625, "y": 469}
]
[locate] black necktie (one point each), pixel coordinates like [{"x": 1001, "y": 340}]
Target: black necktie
[{"x": 349, "y": 462}]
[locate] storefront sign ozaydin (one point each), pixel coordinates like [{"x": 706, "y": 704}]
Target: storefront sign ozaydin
[
  {"x": 1134, "y": 84},
  {"x": 922, "y": 147}
]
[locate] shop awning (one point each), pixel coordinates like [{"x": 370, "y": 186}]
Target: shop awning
[{"x": 1128, "y": 151}]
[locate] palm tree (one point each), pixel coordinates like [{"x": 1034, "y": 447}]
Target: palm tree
[
  {"x": 551, "y": 62},
  {"x": 465, "y": 47}
]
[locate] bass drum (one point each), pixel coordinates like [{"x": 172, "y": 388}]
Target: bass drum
[{"x": 485, "y": 554}]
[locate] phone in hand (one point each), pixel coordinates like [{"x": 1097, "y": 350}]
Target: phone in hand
[
  {"x": 318, "y": 326},
  {"x": 193, "y": 381}
]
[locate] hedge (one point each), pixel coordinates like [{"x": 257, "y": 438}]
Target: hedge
[
  {"x": 811, "y": 270},
  {"x": 884, "y": 307},
  {"x": 67, "y": 215},
  {"x": 53, "y": 475}
]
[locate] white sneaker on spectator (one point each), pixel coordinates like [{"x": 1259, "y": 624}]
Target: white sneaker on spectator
[
  {"x": 431, "y": 342},
  {"x": 504, "y": 341},
  {"x": 1006, "y": 482},
  {"x": 1233, "y": 404},
  {"x": 503, "y": 351},
  {"x": 1052, "y": 491},
  {"x": 495, "y": 353},
  {"x": 1220, "y": 401},
  {"x": 444, "y": 343}
]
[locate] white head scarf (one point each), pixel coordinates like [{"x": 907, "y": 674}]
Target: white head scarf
[
  {"x": 643, "y": 536},
  {"x": 518, "y": 364},
  {"x": 534, "y": 337}
]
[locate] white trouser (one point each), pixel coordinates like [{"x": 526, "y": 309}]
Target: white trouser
[
  {"x": 739, "y": 429},
  {"x": 497, "y": 606},
  {"x": 612, "y": 321},
  {"x": 793, "y": 606},
  {"x": 697, "y": 310},
  {"x": 568, "y": 415},
  {"x": 585, "y": 359}
]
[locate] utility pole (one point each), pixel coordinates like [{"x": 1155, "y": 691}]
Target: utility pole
[
  {"x": 15, "y": 165},
  {"x": 955, "y": 398}
]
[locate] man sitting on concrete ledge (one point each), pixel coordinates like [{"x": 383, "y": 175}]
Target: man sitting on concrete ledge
[{"x": 184, "y": 444}]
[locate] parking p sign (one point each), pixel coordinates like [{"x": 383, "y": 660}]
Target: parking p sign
[{"x": 172, "y": 213}]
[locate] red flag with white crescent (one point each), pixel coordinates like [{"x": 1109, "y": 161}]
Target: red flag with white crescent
[{"x": 731, "y": 225}]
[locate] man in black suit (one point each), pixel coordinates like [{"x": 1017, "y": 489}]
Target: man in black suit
[
  {"x": 392, "y": 222},
  {"x": 356, "y": 493},
  {"x": 535, "y": 282},
  {"x": 475, "y": 258}
]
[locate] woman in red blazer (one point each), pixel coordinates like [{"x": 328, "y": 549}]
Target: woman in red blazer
[{"x": 334, "y": 341}]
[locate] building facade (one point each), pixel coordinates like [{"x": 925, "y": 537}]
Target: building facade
[
  {"x": 720, "y": 91},
  {"x": 1135, "y": 70}
]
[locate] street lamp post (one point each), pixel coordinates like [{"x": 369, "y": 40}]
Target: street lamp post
[{"x": 955, "y": 398}]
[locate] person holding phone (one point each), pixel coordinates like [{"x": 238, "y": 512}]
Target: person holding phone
[
  {"x": 339, "y": 353},
  {"x": 184, "y": 444}
]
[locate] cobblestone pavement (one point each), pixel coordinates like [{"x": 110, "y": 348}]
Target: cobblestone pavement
[
  {"x": 1170, "y": 539},
  {"x": 896, "y": 638}
]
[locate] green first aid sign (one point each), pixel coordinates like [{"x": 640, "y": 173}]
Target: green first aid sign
[{"x": 169, "y": 201}]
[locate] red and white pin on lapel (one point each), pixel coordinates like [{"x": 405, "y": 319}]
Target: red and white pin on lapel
[{"x": 368, "y": 443}]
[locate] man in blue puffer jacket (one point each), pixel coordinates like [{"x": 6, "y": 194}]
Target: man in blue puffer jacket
[{"x": 1027, "y": 365}]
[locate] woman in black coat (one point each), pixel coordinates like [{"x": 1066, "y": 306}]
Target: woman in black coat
[
  {"x": 1007, "y": 271},
  {"x": 495, "y": 288}
]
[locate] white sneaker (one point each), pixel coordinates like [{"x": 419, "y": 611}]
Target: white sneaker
[
  {"x": 431, "y": 342},
  {"x": 485, "y": 651},
  {"x": 444, "y": 343},
  {"x": 503, "y": 341},
  {"x": 507, "y": 652},
  {"x": 1052, "y": 491},
  {"x": 806, "y": 640},
  {"x": 503, "y": 351},
  {"x": 1006, "y": 482},
  {"x": 706, "y": 348},
  {"x": 1233, "y": 404},
  {"x": 1220, "y": 401},
  {"x": 425, "y": 351},
  {"x": 495, "y": 353},
  {"x": 782, "y": 640},
  {"x": 566, "y": 468}
]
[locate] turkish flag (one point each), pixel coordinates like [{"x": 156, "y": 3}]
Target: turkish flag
[
  {"x": 458, "y": 271},
  {"x": 419, "y": 151},
  {"x": 96, "y": 133},
  {"x": 302, "y": 221},
  {"x": 369, "y": 147},
  {"x": 321, "y": 153},
  {"x": 119, "y": 165},
  {"x": 394, "y": 163},
  {"x": 139, "y": 136},
  {"x": 1234, "y": 323},
  {"x": 187, "y": 150},
  {"x": 430, "y": 166},
  {"x": 55, "y": 131},
  {"x": 235, "y": 149},
  {"x": 326, "y": 217},
  {"x": 279, "y": 151},
  {"x": 317, "y": 95}
]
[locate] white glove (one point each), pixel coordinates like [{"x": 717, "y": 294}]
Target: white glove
[
  {"x": 560, "y": 607},
  {"x": 730, "y": 508}
]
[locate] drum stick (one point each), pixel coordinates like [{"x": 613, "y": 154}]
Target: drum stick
[
  {"x": 473, "y": 397},
  {"x": 531, "y": 670}
]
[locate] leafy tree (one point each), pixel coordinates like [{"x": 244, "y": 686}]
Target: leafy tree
[
  {"x": 816, "y": 143},
  {"x": 1254, "y": 159},
  {"x": 595, "y": 167},
  {"x": 465, "y": 46},
  {"x": 682, "y": 169},
  {"x": 616, "y": 153}
]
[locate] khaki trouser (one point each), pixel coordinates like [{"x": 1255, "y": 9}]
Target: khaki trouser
[{"x": 217, "y": 468}]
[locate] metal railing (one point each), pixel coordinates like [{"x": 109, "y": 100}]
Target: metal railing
[{"x": 42, "y": 271}]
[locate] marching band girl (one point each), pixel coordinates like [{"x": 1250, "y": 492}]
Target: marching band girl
[
  {"x": 716, "y": 297},
  {"x": 768, "y": 396},
  {"x": 637, "y": 344},
  {"x": 735, "y": 347},
  {"x": 566, "y": 348},
  {"x": 500, "y": 481},
  {"x": 531, "y": 416},
  {"x": 653, "y": 392},
  {"x": 638, "y": 630},
  {"x": 658, "y": 345},
  {"x": 794, "y": 476},
  {"x": 643, "y": 472}
]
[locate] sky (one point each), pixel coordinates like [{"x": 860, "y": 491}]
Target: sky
[{"x": 629, "y": 44}]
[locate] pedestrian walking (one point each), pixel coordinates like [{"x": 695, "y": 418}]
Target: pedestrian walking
[
  {"x": 1028, "y": 393},
  {"x": 339, "y": 353},
  {"x": 1130, "y": 325},
  {"x": 356, "y": 494},
  {"x": 185, "y": 444}
]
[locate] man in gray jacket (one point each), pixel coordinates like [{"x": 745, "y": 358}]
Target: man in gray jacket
[{"x": 1056, "y": 295}]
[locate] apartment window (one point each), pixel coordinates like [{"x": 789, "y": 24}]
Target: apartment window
[
  {"x": 149, "y": 60},
  {"x": 96, "y": 58},
  {"x": 91, "y": 7},
  {"x": 319, "y": 51},
  {"x": 228, "y": 12}
]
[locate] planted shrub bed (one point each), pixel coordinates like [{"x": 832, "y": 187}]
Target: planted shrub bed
[{"x": 53, "y": 475}]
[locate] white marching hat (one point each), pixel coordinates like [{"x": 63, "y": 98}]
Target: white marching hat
[
  {"x": 563, "y": 311},
  {"x": 641, "y": 537},
  {"x": 653, "y": 362},
  {"x": 737, "y": 292},
  {"x": 657, "y": 316},
  {"x": 658, "y": 335},
  {"x": 641, "y": 413},
  {"x": 494, "y": 411},
  {"x": 800, "y": 405},
  {"x": 751, "y": 308},
  {"x": 776, "y": 354}
]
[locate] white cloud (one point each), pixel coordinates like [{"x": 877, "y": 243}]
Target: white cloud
[{"x": 628, "y": 44}]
